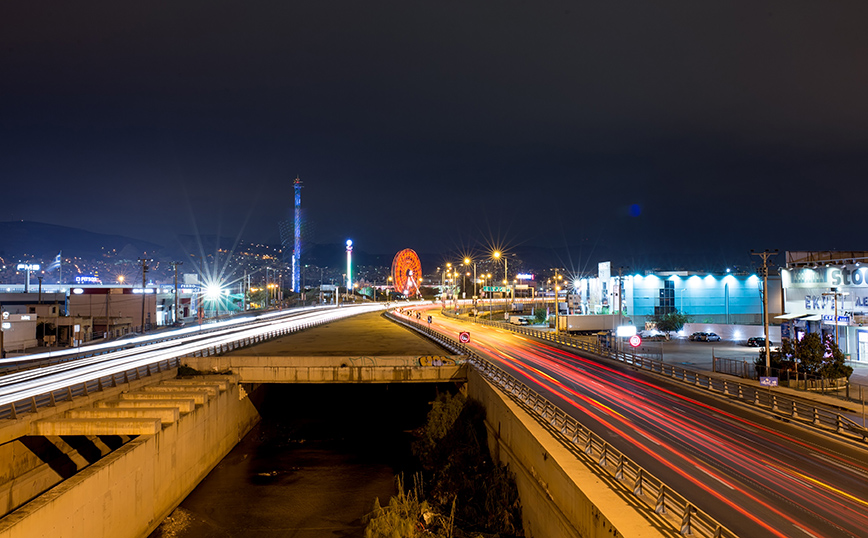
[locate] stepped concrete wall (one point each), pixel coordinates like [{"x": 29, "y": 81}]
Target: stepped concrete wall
[{"x": 131, "y": 490}]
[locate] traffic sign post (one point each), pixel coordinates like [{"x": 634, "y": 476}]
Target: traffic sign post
[
  {"x": 635, "y": 340},
  {"x": 464, "y": 337}
]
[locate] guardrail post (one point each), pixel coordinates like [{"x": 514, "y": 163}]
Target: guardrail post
[
  {"x": 685, "y": 521},
  {"x": 12, "y": 414},
  {"x": 33, "y": 404},
  {"x": 51, "y": 397},
  {"x": 725, "y": 387},
  {"x": 816, "y": 419},
  {"x": 69, "y": 393},
  {"x": 795, "y": 413},
  {"x": 619, "y": 468},
  {"x": 637, "y": 487},
  {"x": 660, "y": 506},
  {"x": 603, "y": 455},
  {"x": 774, "y": 402},
  {"x": 839, "y": 424}
]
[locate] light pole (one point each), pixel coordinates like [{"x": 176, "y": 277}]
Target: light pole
[
  {"x": 468, "y": 261},
  {"x": 175, "y": 266},
  {"x": 835, "y": 294},
  {"x": 765, "y": 255},
  {"x": 144, "y": 262},
  {"x": 490, "y": 296}
]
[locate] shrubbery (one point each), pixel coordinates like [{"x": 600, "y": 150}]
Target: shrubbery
[{"x": 478, "y": 494}]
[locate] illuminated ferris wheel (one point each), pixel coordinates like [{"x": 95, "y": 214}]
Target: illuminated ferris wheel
[{"x": 407, "y": 273}]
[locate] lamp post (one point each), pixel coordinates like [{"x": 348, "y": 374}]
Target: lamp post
[
  {"x": 765, "y": 255},
  {"x": 144, "y": 262},
  {"x": 834, "y": 293},
  {"x": 468, "y": 261}
]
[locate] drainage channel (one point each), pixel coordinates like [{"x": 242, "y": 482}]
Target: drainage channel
[{"x": 313, "y": 465}]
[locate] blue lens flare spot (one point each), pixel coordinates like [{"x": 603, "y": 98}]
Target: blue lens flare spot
[{"x": 635, "y": 210}]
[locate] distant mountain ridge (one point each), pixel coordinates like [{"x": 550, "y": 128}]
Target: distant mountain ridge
[{"x": 19, "y": 239}]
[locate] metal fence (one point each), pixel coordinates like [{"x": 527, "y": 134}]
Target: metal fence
[
  {"x": 804, "y": 411},
  {"x": 633, "y": 479},
  {"x": 840, "y": 388}
]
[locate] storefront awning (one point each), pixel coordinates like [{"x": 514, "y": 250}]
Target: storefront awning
[
  {"x": 790, "y": 316},
  {"x": 813, "y": 317}
]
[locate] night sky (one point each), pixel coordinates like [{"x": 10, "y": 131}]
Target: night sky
[{"x": 669, "y": 126}]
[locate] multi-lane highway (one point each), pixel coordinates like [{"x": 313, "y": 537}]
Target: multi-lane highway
[
  {"x": 41, "y": 382},
  {"x": 754, "y": 473}
]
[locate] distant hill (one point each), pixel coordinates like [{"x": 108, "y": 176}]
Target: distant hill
[{"x": 20, "y": 238}]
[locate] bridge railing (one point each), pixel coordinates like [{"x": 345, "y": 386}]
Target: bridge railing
[
  {"x": 803, "y": 410},
  {"x": 588, "y": 446}
]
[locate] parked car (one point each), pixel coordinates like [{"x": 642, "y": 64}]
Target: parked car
[
  {"x": 696, "y": 337},
  {"x": 759, "y": 341},
  {"x": 711, "y": 337},
  {"x": 652, "y": 335}
]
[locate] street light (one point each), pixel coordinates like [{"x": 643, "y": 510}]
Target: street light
[
  {"x": 468, "y": 261},
  {"x": 490, "y": 296}
]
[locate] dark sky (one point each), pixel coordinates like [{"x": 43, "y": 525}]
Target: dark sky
[{"x": 437, "y": 125}]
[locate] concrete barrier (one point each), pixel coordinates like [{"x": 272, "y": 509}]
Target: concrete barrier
[
  {"x": 131, "y": 490},
  {"x": 279, "y": 369},
  {"x": 560, "y": 496}
]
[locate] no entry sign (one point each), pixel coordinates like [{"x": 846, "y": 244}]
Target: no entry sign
[{"x": 464, "y": 337}]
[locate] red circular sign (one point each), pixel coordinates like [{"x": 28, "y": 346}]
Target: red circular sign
[
  {"x": 464, "y": 337},
  {"x": 635, "y": 340}
]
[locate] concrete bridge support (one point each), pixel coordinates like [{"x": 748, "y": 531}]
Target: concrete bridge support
[
  {"x": 131, "y": 490},
  {"x": 560, "y": 496}
]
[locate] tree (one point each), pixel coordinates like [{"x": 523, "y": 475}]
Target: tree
[
  {"x": 670, "y": 321},
  {"x": 540, "y": 316},
  {"x": 812, "y": 355}
]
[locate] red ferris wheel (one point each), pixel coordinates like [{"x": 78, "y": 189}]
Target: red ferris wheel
[{"x": 407, "y": 273}]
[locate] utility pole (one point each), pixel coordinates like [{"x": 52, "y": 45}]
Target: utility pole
[
  {"x": 764, "y": 270},
  {"x": 175, "y": 266},
  {"x": 835, "y": 294},
  {"x": 144, "y": 262},
  {"x": 557, "y": 307}
]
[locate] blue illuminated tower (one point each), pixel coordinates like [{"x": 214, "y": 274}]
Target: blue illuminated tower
[{"x": 296, "y": 248}]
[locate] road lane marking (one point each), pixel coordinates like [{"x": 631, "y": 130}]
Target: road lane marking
[
  {"x": 812, "y": 535},
  {"x": 714, "y": 477}
]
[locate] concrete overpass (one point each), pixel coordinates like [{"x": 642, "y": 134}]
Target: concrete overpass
[{"x": 361, "y": 349}]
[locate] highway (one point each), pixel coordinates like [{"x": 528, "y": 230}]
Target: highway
[
  {"x": 756, "y": 474},
  {"x": 39, "y": 382}
]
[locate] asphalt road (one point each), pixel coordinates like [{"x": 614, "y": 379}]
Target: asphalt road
[{"x": 758, "y": 475}]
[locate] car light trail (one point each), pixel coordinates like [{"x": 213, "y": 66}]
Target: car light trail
[
  {"x": 39, "y": 381},
  {"x": 758, "y": 476}
]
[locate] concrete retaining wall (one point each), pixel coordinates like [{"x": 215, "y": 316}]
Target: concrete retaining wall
[
  {"x": 130, "y": 491},
  {"x": 278, "y": 369},
  {"x": 560, "y": 496},
  {"x": 736, "y": 333}
]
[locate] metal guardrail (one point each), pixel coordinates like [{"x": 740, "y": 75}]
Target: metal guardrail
[
  {"x": 651, "y": 491},
  {"x": 98, "y": 383},
  {"x": 796, "y": 409}
]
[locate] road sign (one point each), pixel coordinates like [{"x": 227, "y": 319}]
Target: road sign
[
  {"x": 635, "y": 340},
  {"x": 768, "y": 381},
  {"x": 464, "y": 337}
]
